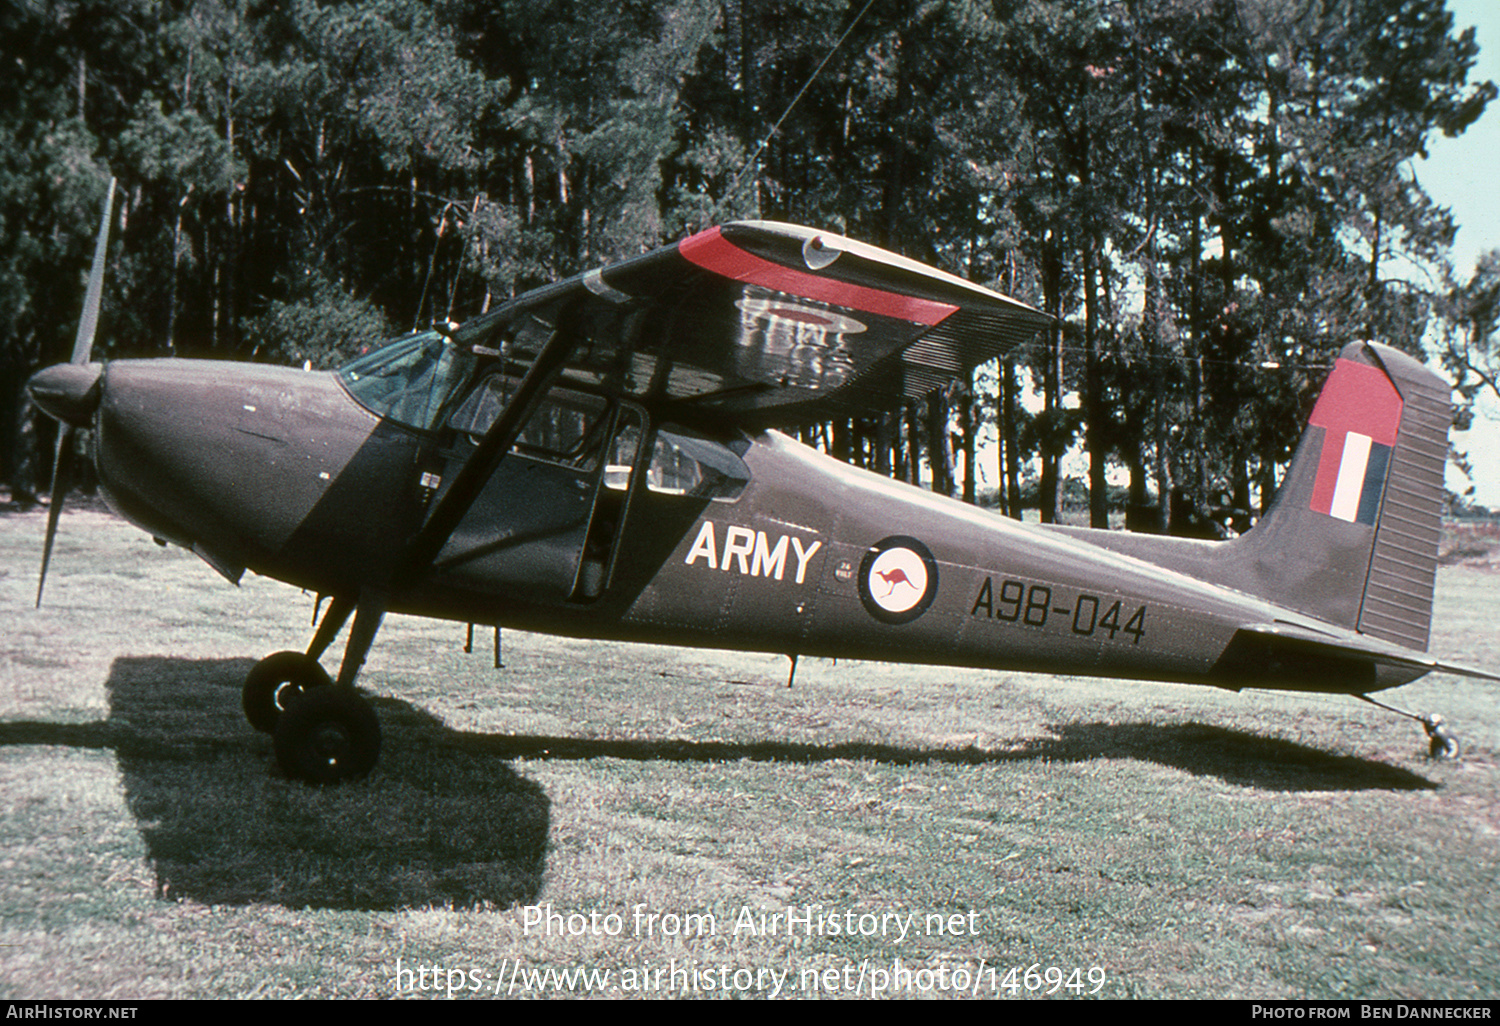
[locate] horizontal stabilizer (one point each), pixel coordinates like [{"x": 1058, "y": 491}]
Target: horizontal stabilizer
[{"x": 1288, "y": 656}]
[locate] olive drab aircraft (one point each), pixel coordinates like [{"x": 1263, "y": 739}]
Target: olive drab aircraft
[{"x": 601, "y": 458}]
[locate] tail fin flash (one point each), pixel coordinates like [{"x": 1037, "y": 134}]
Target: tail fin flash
[{"x": 1353, "y": 535}]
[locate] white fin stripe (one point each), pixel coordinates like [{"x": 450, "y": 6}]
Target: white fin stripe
[{"x": 1351, "y": 479}]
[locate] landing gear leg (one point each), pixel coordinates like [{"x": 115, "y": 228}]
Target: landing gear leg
[
  {"x": 1442, "y": 744},
  {"x": 368, "y": 615},
  {"x": 328, "y": 628}
]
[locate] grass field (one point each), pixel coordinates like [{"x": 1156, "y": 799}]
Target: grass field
[{"x": 1165, "y": 841}]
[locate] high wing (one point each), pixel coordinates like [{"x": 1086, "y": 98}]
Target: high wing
[
  {"x": 760, "y": 324},
  {"x": 752, "y": 325}
]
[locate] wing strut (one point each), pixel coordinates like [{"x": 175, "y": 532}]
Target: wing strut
[{"x": 497, "y": 441}]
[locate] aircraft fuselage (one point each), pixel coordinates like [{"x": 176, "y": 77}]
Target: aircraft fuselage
[{"x": 280, "y": 471}]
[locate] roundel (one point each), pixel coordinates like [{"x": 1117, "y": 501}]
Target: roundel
[{"x": 898, "y": 579}]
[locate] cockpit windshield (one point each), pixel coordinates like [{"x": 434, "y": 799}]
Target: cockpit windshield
[{"x": 409, "y": 380}]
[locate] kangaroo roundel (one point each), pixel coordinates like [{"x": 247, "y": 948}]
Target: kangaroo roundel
[{"x": 898, "y": 579}]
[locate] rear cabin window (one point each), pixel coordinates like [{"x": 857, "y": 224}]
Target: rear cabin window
[{"x": 684, "y": 462}]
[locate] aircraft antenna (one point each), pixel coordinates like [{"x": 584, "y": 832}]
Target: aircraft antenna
[{"x": 734, "y": 185}]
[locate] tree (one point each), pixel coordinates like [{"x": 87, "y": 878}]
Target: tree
[
  {"x": 52, "y": 184},
  {"x": 1472, "y": 315},
  {"x": 1212, "y": 196}
]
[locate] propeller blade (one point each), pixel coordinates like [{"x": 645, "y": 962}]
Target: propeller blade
[
  {"x": 83, "y": 347},
  {"x": 83, "y": 343},
  {"x": 61, "y": 474}
]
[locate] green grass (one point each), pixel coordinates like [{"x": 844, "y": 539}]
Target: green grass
[{"x": 1190, "y": 843}]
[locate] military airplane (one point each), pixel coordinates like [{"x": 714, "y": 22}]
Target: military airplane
[{"x": 600, "y": 458}]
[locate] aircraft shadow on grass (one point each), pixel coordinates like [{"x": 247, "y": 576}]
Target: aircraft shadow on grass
[
  {"x": 447, "y": 821},
  {"x": 437, "y": 826},
  {"x": 1246, "y": 760}
]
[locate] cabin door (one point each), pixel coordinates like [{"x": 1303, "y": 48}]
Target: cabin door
[{"x": 545, "y": 525}]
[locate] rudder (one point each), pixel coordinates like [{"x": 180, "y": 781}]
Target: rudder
[{"x": 1397, "y": 603}]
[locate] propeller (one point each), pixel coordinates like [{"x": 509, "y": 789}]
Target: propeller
[{"x": 67, "y": 402}]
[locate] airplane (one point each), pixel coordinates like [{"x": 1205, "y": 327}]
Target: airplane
[{"x": 601, "y": 458}]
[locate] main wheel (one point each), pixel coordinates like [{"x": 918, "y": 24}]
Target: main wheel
[
  {"x": 328, "y": 735},
  {"x": 274, "y": 683}
]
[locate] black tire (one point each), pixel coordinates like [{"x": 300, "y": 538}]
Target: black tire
[
  {"x": 328, "y": 735},
  {"x": 1444, "y": 747},
  {"x": 274, "y": 683}
]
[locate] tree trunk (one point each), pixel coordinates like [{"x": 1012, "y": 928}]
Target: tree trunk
[
  {"x": 1012, "y": 440},
  {"x": 883, "y": 444},
  {"x": 1049, "y": 430},
  {"x": 843, "y": 442},
  {"x": 914, "y": 443},
  {"x": 25, "y": 475},
  {"x": 939, "y": 445},
  {"x": 966, "y": 424},
  {"x": 1095, "y": 432}
]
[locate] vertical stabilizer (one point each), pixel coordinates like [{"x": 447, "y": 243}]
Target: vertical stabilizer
[{"x": 1353, "y": 535}]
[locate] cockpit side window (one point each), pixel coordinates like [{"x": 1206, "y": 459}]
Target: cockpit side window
[
  {"x": 566, "y": 428},
  {"x": 409, "y": 380}
]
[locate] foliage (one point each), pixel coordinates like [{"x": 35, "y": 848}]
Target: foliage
[
  {"x": 1213, "y": 195},
  {"x": 320, "y": 325},
  {"x": 1470, "y": 348}
]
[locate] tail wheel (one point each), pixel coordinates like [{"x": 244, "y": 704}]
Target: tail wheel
[
  {"x": 1442, "y": 744},
  {"x": 1445, "y": 749},
  {"x": 275, "y": 683},
  {"x": 328, "y": 735}
]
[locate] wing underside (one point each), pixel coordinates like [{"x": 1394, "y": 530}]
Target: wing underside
[{"x": 764, "y": 325}]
